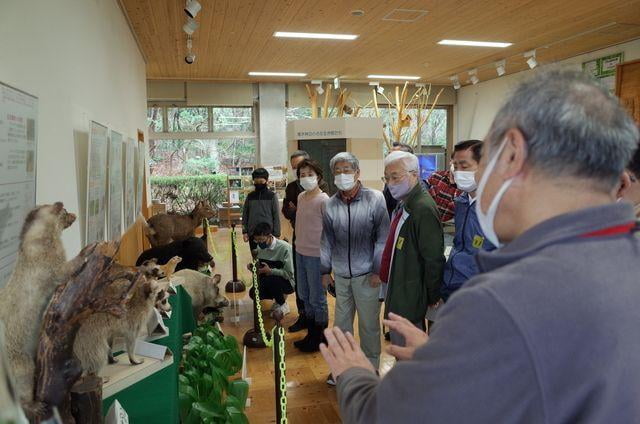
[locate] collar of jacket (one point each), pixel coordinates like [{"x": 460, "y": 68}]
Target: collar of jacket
[
  {"x": 412, "y": 197},
  {"x": 556, "y": 230},
  {"x": 355, "y": 198}
]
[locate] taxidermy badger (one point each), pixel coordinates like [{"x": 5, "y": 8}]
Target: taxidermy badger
[
  {"x": 92, "y": 344},
  {"x": 204, "y": 291},
  {"x": 164, "y": 228},
  {"x": 40, "y": 267}
]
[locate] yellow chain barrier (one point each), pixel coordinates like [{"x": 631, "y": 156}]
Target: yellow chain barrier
[{"x": 268, "y": 341}]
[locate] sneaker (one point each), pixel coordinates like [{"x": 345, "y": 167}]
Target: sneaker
[
  {"x": 281, "y": 310},
  {"x": 330, "y": 380}
]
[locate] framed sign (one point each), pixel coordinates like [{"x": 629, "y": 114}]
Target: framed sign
[
  {"x": 130, "y": 184},
  {"x": 97, "y": 183},
  {"x": 114, "y": 218}
]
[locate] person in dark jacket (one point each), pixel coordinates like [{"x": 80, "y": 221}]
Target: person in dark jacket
[
  {"x": 261, "y": 206},
  {"x": 547, "y": 332},
  {"x": 469, "y": 238},
  {"x": 630, "y": 185}
]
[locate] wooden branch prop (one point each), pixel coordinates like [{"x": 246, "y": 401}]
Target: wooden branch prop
[
  {"x": 327, "y": 96},
  {"x": 86, "y": 400},
  {"x": 57, "y": 368},
  {"x": 313, "y": 99}
]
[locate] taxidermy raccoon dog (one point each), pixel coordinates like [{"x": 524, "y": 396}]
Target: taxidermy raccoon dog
[
  {"x": 164, "y": 228},
  {"x": 92, "y": 344},
  {"x": 204, "y": 290},
  {"x": 40, "y": 267}
]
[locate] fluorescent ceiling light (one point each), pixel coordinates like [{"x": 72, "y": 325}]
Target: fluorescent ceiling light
[
  {"x": 315, "y": 35},
  {"x": 473, "y": 43},
  {"x": 277, "y": 74},
  {"x": 393, "y": 77}
]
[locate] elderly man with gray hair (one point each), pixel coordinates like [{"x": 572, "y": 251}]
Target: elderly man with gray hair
[
  {"x": 355, "y": 227},
  {"x": 413, "y": 256},
  {"x": 548, "y": 331}
]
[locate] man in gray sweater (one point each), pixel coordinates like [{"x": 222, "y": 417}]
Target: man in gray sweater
[{"x": 548, "y": 332}]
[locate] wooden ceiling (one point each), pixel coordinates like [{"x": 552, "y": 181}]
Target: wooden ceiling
[{"x": 236, "y": 36}]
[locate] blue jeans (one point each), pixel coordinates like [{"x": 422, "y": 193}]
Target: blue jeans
[{"x": 310, "y": 288}]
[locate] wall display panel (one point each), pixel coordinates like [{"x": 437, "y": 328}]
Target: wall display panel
[
  {"x": 97, "y": 183},
  {"x": 115, "y": 186},
  {"x": 130, "y": 183},
  {"x": 140, "y": 165},
  {"x": 18, "y": 141}
]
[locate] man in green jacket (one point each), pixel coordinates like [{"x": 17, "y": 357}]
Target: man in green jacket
[{"x": 413, "y": 257}]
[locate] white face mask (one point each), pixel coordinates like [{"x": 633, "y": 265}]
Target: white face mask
[
  {"x": 309, "y": 183},
  {"x": 466, "y": 180},
  {"x": 487, "y": 220},
  {"x": 345, "y": 182}
]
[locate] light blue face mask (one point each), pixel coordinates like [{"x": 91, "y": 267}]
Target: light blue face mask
[
  {"x": 400, "y": 190},
  {"x": 486, "y": 220}
]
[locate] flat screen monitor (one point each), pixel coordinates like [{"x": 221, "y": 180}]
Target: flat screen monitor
[{"x": 430, "y": 163}]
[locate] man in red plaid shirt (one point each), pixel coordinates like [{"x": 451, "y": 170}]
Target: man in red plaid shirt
[{"x": 442, "y": 187}]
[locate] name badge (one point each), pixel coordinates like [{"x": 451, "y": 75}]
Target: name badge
[
  {"x": 478, "y": 241},
  {"x": 400, "y": 243}
]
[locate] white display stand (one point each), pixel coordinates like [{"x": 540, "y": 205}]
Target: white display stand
[{"x": 123, "y": 374}]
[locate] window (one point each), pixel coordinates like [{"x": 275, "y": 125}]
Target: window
[
  {"x": 433, "y": 132},
  {"x": 294, "y": 113},
  {"x": 188, "y": 119},
  {"x": 232, "y": 119},
  {"x": 154, "y": 119}
]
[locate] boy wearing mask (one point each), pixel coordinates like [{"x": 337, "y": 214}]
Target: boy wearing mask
[
  {"x": 261, "y": 206},
  {"x": 469, "y": 238}
]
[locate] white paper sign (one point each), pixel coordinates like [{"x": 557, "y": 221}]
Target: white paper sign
[
  {"x": 117, "y": 414},
  {"x": 155, "y": 325},
  {"x": 150, "y": 350},
  {"x": 18, "y": 140},
  {"x": 97, "y": 183},
  {"x": 115, "y": 186},
  {"x": 129, "y": 184}
]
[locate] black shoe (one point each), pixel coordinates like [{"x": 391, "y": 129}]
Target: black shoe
[
  {"x": 317, "y": 337},
  {"x": 330, "y": 380},
  {"x": 308, "y": 324},
  {"x": 299, "y": 325}
]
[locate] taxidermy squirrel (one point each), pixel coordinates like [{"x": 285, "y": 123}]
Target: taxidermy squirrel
[
  {"x": 40, "y": 267},
  {"x": 163, "y": 228},
  {"x": 92, "y": 344}
]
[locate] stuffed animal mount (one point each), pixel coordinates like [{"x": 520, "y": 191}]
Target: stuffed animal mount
[{"x": 164, "y": 228}]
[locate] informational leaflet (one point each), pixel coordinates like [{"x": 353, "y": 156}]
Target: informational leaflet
[
  {"x": 115, "y": 186},
  {"x": 18, "y": 140},
  {"x": 140, "y": 176},
  {"x": 97, "y": 183},
  {"x": 130, "y": 184}
]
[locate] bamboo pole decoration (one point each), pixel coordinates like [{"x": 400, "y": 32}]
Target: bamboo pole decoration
[{"x": 313, "y": 99}]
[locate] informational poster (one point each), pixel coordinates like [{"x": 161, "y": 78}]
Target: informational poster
[
  {"x": 130, "y": 183},
  {"x": 604, "y": 68},
  {"x": 115, "y": 186},
  {"x": 140, "y": 165},
  {"x": 18, "y": 140},
  {"x": 97, "y": 183}
]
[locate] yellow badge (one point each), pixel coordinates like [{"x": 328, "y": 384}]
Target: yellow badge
[
  {"x": 478, "y": 241},
  {"x": 400, "y": 243}
]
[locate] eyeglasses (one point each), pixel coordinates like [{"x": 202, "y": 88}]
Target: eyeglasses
[
  {"x": 344, "y": 170},
  {"x": 394, "y": 178}
]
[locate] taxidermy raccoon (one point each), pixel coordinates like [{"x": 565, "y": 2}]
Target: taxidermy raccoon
[
  {"x": 163, "y": 228},
  {"x": 204, "y": 290},
  {"x": 40, "y": 267},
  {"x": 92, "y": 344}
]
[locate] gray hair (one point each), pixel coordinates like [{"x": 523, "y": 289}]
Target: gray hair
[
  {"x": 409, "y": 160},
  {"x": 572, "y": 125},
  {"x": 345, "y": 157},
  {"x": 298, "y": 154}
]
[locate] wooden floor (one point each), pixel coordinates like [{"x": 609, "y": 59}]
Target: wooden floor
[{"x": 310, "y": 399}]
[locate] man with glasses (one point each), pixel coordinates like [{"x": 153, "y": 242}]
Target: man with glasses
[
  {"x": 355, "y": 227},
  {"x": 413, "y": 259}
]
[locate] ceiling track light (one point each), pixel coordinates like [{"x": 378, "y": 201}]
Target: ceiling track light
[
  {"x": 501, "y": 67},
  {"x": 192, "y": 8},
  {"x": 456, "y": 82},
  {"x": 319, "y": 88},
  {"x": 190, "y": 26},
  {"x": 473, "y": 76},
  {"x": 531, "y": 61},
  {"x": 379, "y": 88},
  {"x": 190, "y": 57},
  {"x": 336, "y": 83}
]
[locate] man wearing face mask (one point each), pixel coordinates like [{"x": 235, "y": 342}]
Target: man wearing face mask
[
  {"x": 354, "y": 230},
  {"x": 525, "y": 341},
  {"x": 413, "y": 258},
  {"x": 260, "y": 206},
  {"x": 630, "y": 185},
  {"x": 469, "y": 238}
]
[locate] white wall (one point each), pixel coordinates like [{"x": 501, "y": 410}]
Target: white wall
[
  {"x": 81, "y": 60},
  {"x": 478, "y": 104},
  {"x": 272, "y": 125}
]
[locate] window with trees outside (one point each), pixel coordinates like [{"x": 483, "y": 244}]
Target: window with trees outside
[{"x": 434, "y": 133}]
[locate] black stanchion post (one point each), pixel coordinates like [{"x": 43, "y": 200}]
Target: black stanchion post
[
  {"x": 236, "y": 285},
  {"x": 277, "y": 374}
]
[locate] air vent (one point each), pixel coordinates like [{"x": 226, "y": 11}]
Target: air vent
[{"x": 404, "y": 15}]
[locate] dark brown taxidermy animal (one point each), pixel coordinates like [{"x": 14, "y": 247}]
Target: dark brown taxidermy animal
[
  {"x": 40, "y": 267},
  {"x": 164, "y": 228}
]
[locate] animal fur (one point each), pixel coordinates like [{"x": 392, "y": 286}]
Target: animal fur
[
  {"x": 92, "y": 345},
  {"x": 163, "y": 228},
  {"x": 192, "y": 250},
  {"x": 40, "y": 267},
  {"x": 170, "y": 267},
  {"x": 204, "y": 290}
]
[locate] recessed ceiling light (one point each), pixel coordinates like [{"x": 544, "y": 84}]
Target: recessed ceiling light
[
  {"x": 315, "y": 35},
  {"x": 393, "y": 77},
  {"x": 474, "y": 43},
  {"x": 357, "y": 12},
  {"x": 277, "y": 74}
]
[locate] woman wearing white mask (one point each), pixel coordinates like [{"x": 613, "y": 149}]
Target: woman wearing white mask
[
  {"x": 469, "y": 238},
  {"x": 308, "y": 233}
]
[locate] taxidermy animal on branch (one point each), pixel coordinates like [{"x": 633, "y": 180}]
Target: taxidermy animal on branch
[
  {"x": 163, "y": 228},
  {"x": 40, "y": 267}
]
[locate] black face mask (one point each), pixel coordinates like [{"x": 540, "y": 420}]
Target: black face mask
[
  {"x": 263, "y": 245},
  {"x": 260, "y": 187}
]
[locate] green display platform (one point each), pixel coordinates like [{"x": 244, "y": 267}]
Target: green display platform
[{"x": 155, "y": 399}]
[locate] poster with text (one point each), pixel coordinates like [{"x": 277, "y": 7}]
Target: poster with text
[
  {"x": 115, "y": 186},
  {"x": 140, "y": 177},
  {"x": 97, "y": 183},
  {"x": 18, "y": 139},
  {"x": 129, "y": 184}
]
